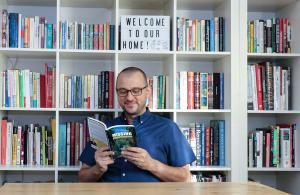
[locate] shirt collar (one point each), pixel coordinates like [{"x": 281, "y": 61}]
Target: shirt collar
[{"x": 139, "y": 119}]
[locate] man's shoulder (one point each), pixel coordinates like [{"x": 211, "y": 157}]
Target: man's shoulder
[{"x": 164, "y": 120}]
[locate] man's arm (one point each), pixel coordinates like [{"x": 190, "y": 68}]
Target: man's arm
[
  {"x": 143, "y": 160},
  {"x": 89, "y": 173},
  {"x": 93, "y": 173}
]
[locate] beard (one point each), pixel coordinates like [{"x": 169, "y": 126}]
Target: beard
[{"x": 133, "y": 108}]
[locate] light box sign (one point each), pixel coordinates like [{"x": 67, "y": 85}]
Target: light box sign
[{"x": 145, "y": 33}]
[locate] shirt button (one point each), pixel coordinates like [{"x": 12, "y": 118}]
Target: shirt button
[
  {"x": 123, "y": 174},
  {"x": 125, "y": 160}
]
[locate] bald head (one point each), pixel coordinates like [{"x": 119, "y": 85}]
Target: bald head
[{"x": 132, "y": 70}]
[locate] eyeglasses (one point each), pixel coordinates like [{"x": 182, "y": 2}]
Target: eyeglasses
[{"x": 134, "y": 91}]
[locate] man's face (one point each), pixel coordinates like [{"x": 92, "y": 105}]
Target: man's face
[{"x": 132, "y": 105}]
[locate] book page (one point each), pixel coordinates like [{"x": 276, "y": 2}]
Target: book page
[{"x": 97, "y": 133}]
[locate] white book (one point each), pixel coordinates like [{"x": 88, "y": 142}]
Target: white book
[
  {"x": 285, "y": 140},
  {"x": 9, "y": 137},
  {"x": 202, "y": 29},
  {"x": 283, "y": 90},
  {"x": 30, "y": 142},
  {"x": 36, "y": 31},
  {"x": 92, "y": 91},
  {"x": 75, "y": 35},
  {"x": 183, "y": 90},
  {"x": 37, "y": 146},
  {"x": 154, "y": 92},
  {"x": 217, "y": 34},
  {"x": 261, "y": 36},
  {"x": 69, "y": 92},
  {"x": 1, "y": 90},
  {"x": 31, "y": 33},
  {"x": 276, "y": 80},
  {"x": 254, "y": 89},
  {"x": 61, "y": 90},
  {"x": 250, "y": 154}
]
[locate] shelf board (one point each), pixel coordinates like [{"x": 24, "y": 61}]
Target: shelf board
[
  {"x": 273, "y": 111},
  {"x": 209, "y": 168},
  {"x": 268, "y": 5},
  {"x": 273, "y": 169},
  {"x": 28, "y": 53},
  {"x": 143, "y": 4},
  {"x": 85, "y": 110},
  {"x": 272, "y": 55},
  {"x": 87, "y": 3},
  {"x": 194, "y": 55},
  {"x": 144, "y": 55},
  {"x": 29, "y": 109},
  {"x": 68, "y": 168},
  {"x": 32, "y": 2},
  {"x": 161, "y": 110},
  {"x": 26, "y": 168},
  {"x": 86, "y": 54},
  {"x": 203, "y": 111},
  {"x": 198, "y": 4}
]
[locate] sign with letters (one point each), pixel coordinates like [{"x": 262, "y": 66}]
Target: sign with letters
[{"x": 145, "y": 33}]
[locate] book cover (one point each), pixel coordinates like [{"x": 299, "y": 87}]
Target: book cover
[{"x": 116, "y": 137}]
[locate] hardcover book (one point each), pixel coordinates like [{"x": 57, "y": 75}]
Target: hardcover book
[{"x": 117, "y": 137}]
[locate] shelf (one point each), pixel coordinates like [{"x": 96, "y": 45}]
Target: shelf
[
  {"x": 29, "y": 109},
  {"x": 86, "y": 54},
  {"x": 85, "y": 110},
  {"x": 26, "y": 168},
  {"x": 198, "y": 4},
  {"x": 271, "y": 56},
  {"x": 87, "y": 3},
  {"x": 28, "y": 53},
  {"x": 273, "y": 111},
  {"x": 209, "y": 168},
  {"x": 68, "y": 168},
  {"x": 203, "y": 111},
  {"x": 32, "y": 2},
  {"x": 273, "y": 169},
  {"x": 161, "y": 110},
  {"x": 144, "y": 55},
  {"x": 268, "y": 5},
  {"x": 193, "y": 55}
]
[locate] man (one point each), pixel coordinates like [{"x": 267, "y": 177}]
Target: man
[{"x": 162, "y": 152}]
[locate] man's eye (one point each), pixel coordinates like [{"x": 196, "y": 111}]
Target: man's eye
[
  {"x": 122, "y": 91},
  {"x": 135, "y": 90}
]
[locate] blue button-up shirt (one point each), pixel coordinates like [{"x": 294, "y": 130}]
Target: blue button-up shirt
[{"x": 159, "y": 136}]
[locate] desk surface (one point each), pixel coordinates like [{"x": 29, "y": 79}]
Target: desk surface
[{"x": 136, "y": 188}]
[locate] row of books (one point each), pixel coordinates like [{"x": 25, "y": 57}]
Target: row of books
[
  {"x": 200, "y": 34},
  {"x": 273, "y": 146},
  {"x": 207, "y": 142},
  {"x": 195, "y": 90},
  {"x": 19, "y": 31},
  {"x": 159, "y": 95},
  {"x": 208, "y": 177},
  {"x": 74, "y": 35},
  {"x": 269, "y": 36},
  {"x": 269, "y": 86},
  {"x": 87, "y": 91},
  {"x": 26, "y": 89},
  {"x": 32, "y": 144}
]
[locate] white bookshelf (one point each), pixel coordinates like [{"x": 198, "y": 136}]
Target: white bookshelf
[{"x": 285, "y": 179}]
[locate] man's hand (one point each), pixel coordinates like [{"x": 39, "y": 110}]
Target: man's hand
[
  {"x": 139, "y": 157},
  {"x": 103, "y": 158}
]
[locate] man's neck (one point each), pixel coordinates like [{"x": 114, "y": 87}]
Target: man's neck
[{"x": 130, "y": 117}]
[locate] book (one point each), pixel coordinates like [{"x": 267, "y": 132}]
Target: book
[{"x": 117, "y": 137}]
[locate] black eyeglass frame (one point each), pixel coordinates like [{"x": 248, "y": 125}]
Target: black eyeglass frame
[{"x": 139, "y": 92}]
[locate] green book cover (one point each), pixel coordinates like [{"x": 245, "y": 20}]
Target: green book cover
[{"x": 117, "y": 137}]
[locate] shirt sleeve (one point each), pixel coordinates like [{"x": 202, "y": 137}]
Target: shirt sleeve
[
  {"x": 179, "y": 150},
  {"x": 87, "y": 156}
]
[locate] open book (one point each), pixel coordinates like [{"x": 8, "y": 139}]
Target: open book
[{"x": 116, "y": 137}]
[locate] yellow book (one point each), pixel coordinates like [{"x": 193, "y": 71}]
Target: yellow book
[
  {"x": 14, "y": 146},
  {"x": 53, "y": 129}
]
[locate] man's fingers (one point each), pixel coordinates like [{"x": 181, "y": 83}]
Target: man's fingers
[
  {"x": 104, "y": 148},
  {"x": 134, "y": 149}
]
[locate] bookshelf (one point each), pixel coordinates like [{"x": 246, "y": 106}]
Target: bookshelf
[
  {"x": 233, "y": 62},
  {"x": 285, "y": 179}
]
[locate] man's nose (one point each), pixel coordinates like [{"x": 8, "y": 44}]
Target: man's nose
[{"x": 129, "y": 96}]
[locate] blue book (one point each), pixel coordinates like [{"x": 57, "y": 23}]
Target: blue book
[
  {"x": 212, "y": 35},
  {"x": 202, "y": 162},
  {"x": 112, "y": 37},
  {"x": 62, "y": 145},
  {"x": 22, "y": 29},
  {"x": 63, "y": 36},
  {"x": 13, "y": 29},
  {"x": 49, "y": 37},
  {"x": 222, "y": 90},
  {"x": 221, "y": 142}
]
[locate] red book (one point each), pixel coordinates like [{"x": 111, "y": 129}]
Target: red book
[
  {"x": 281, "y": 35},
  {"x": 259, "y": 87},
  {"x": 268, "y": 147},
  {"x": 49, "y": 78},
  {"x": 72, "y": 144},
  {"x": 42, "y": 91},
  {"x": 190, "y": 90},
  {"x": 207, "y": 146},
  {"x": 84, "y": 134},
  {"x": 3, "y": 141},
  {"x": 22, "y": 146},
  {"x": 101, "y": 37},
  {"x": 42, "y": 26},
  {"x": 110, "y": 89}
]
